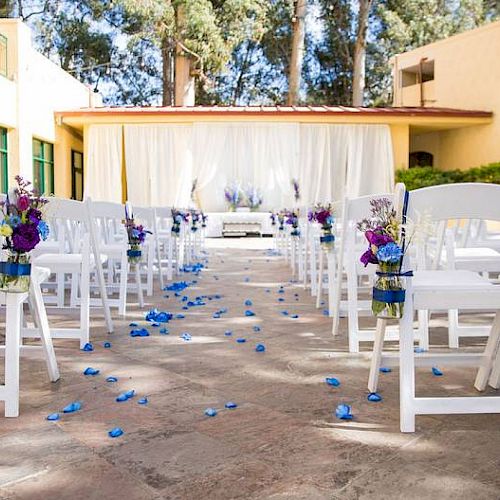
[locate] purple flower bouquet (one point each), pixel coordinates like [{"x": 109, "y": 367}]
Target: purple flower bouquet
[
  {"x": 382, "y": 231},
  {"x": 22, "y": 229},
  {"x": 292, "y": 219},
  {"x": 323, "y": 215},
  {"x": 136, "y": 237},
  {"x": 233, "y": 196}
]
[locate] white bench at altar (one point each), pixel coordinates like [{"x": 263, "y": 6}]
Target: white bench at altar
[{"x": 216, "y": 220}]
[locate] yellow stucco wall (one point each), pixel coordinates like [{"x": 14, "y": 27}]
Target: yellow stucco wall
[{"x": 466, "y": 76}]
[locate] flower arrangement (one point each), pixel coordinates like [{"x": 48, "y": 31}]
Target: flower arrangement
[
  {"x": 323, "y": 215},
  {"x": 204, "y": 218},
  {"x": 273, "y": 218},
  {"x": 195, "y": 218},
  {"x": 23, "y": 228},
  {"x": 177, "y": 218},
  {"x": 233, "y": 195},
  {"x": 383, "y": 233},
  {"x": 292, "y": 219},
  {"x": 253, "y": 197},
  {"x": 281, "y": 219},
  {"x": 296, "y": 190},
  {"x": 136, "y": 236}
]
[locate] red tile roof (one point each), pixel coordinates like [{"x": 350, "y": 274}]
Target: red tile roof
[{"x": 277, "y": 110}]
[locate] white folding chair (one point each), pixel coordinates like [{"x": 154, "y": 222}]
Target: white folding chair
[{"x": 146, "y": 216}]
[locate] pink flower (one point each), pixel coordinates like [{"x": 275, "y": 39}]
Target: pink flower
[{"x": 23, "y": 203}]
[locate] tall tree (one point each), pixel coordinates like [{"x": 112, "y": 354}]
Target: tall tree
[
  {"x": 359, "y": 61},
  {"x": 297, "y": 57}
]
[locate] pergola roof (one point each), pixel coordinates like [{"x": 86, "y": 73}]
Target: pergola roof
[{"x": 275, "y": 110}]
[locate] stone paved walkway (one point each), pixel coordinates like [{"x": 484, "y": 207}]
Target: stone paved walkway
[{"x": 282, "y": 442}]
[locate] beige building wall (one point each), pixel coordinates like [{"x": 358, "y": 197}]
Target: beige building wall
[
  {"x": 466, "y": 76},
  {"x": 35, "y": 88}
]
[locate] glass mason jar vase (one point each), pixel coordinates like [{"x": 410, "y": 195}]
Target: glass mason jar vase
[
  {"x": 15, "y": 273},
  {"x": 134, "y": 253},
  {"x": 327, "y": 239},
  {"x": 388, "y": 292}
]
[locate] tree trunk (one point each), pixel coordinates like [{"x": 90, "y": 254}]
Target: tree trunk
[
  {"x": 297, "y": 58},
  {"x": 358, "y": 73},
  {"x": 184, "y": 81},
  {"x": 167, "y": 56}
]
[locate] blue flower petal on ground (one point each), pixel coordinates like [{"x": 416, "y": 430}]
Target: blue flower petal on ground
[
  {"x": 72, "y": 407},
  {"x": 281, "y": 290},
  {"x": 385, "y": 369},
  {"x": 210, "y": 412},
  {"x": 285, "y": 313},
  {"x": 256, "y": 328},
  {"x": 90, "y": 371},
  {"x": 186, "y": 337},
  {"x": 143, "y": 401},
  {"x": 249, "y": 313},
  {"x": 326, "y": 312},
  {"x": 228, "y": 333},
  {"x": 164, "y": 331},
  {"x": 180, "y": 316},
  {"x": 374, "y": 397},
  {"x": 216, "y": 315},
  {"x": 419, "y": 350},
  {"x": 281, "y": 299},
  {"x": 116, "y": 432},
  {"x": 132, "y": 324},
  {"x": 343, "y": 412},
  {"x": 334, "y": 382},
  {"x": 88, "y": 347},
  {"x": 260, "y": 348},
  {"x": 294, "y": 316},
  {"x": 155, "y": 324},
  {"x": 223, "y": 310},
  {"x": 125, "y": 396},
  {"x": 247, "y": 280},
  {"x": 142, "y": 332},
  {"x": 107, "y": 345},
  {"x": 112, "y": 379},
  {"x": 230, "y": 405},
  {"x": 248, "y": 303},
  {"x": 241, "y": 340},
  {"x": 436, "y": 371},
  {"x": 53, "y": 416}
]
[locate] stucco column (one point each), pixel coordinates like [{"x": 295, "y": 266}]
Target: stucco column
[{"x": 400, "y": 135}]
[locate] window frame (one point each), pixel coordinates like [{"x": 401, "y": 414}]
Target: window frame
[
  {"x": 43, "y": 163},
  {"x": 74, "y": 153},
  {"x": 4, "y": 160}
]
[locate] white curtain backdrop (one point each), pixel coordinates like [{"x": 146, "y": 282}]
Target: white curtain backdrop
[
  {"x": 329, "y": 160},
  {"x": 103, "y": 165},
  {"x": 158, "y": 160},
  {"x": 264, "y": 155}
]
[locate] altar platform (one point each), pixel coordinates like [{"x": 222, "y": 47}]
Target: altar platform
[{"x": 221, "y": 224}]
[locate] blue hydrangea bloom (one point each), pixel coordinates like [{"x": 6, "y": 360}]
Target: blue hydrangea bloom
[{"x": 389, "y": 253}]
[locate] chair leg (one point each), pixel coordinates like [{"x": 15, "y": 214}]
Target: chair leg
[
  {"x": 84, "y": 306},
  {"x": 319, "y": 286},
  {"x": 150, "y": 265},
  {"x": 41, "y": 321},
  {"x": 453, "y": 328},
  {"x": 60, "y": 289},
  {"x": 407, "y": 367},
  {"x": 12, "y": 346},
  {"x": 331, "y": 282},
  {"x": 423, "y": 329},
  {"x": 122, "y": 295},
  {"x": 140, "y": 296},
  {"x": 170, "y": 250},
  {"x": 378, "y": 347},
  {"x": 490, "y": 353}
]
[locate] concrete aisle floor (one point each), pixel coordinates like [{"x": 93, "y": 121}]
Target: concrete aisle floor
[{"x": 282, "y": 442}]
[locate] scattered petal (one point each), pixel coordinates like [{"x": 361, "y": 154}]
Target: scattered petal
[
  {"x": 228, "y": 333},
  {"x": 107, "y": 345},
  {"x": 334, "y": 382},
  {"x": 436, "y": 371},
  {"x": 230, "y": 405},
  {"x": 260, "y": 348},
  {"x": 164, "y": 331},
  {"x": 142, "y": 332},
  {"x": 419, "y": 349},
  {"x": 88, "y": 347},
  {"x": 210, "y": 412},
  {"x": 343, "y": 412},
  {"x": 241, "y": 340},
  {"x": 112, "y": 379},
  {"x": 385, "y": 369},
  {"x": 90, "y": 371},
  {"x": 249, "y": 313},
  {"x": 374, "y": 397},
  {"x": 72, "y": 407},
  {"x": 116, "y": 432},
  {"x": 53, "y": 416},
  {"x": 132, "y": 324},
  {"x": 256, "y": 328},
  {"x": 143, "y": 401},
  {"x": 248, "y": 303},
  {"x": 186, "y": 337}
]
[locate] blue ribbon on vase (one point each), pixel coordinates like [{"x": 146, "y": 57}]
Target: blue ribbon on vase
[
  {"x": 329, "y": 238},
  {"x": 391, "y": 296},
  {"x": 134, "y": 253},
  {"x": 15, "y": 269}
]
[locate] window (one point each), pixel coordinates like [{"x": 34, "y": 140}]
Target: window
[
  {"x": 3, "y": 55},
  {"x": 43, "y": 166},
  {"x": 4, "y": 161},
  {"x": 76, "y": 175},
  {"x": 421, "y": 159},
  {"x": 420, "y": 73}
]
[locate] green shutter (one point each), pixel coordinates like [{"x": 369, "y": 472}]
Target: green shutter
[
  {"x": 4, "y": 161},
  {"x": 43, "y": 166}
]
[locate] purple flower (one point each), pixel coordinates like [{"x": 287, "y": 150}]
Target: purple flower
[
  {"x": 23, "y": 203},
  {"x": 368, "y": 258},
  {"x": 34, "y": 215},
  {"x": 323, "y": 217},
  {"x": 25, "y": 238},
  {"x": 378, "y": 238}
]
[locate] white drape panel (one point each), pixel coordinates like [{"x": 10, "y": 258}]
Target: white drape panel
[
  {"x": 158, "y": 160},
  {"x": 264, "y": 155},
  {"x": 370, "y": 164},
  {"x": 103, "y": 165}
]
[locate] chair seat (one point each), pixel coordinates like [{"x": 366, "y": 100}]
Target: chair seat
[
  {"x": 448, "y": 280},
  {"x": 64, "y": 262},
  {"x": 113, "y": 250}
]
